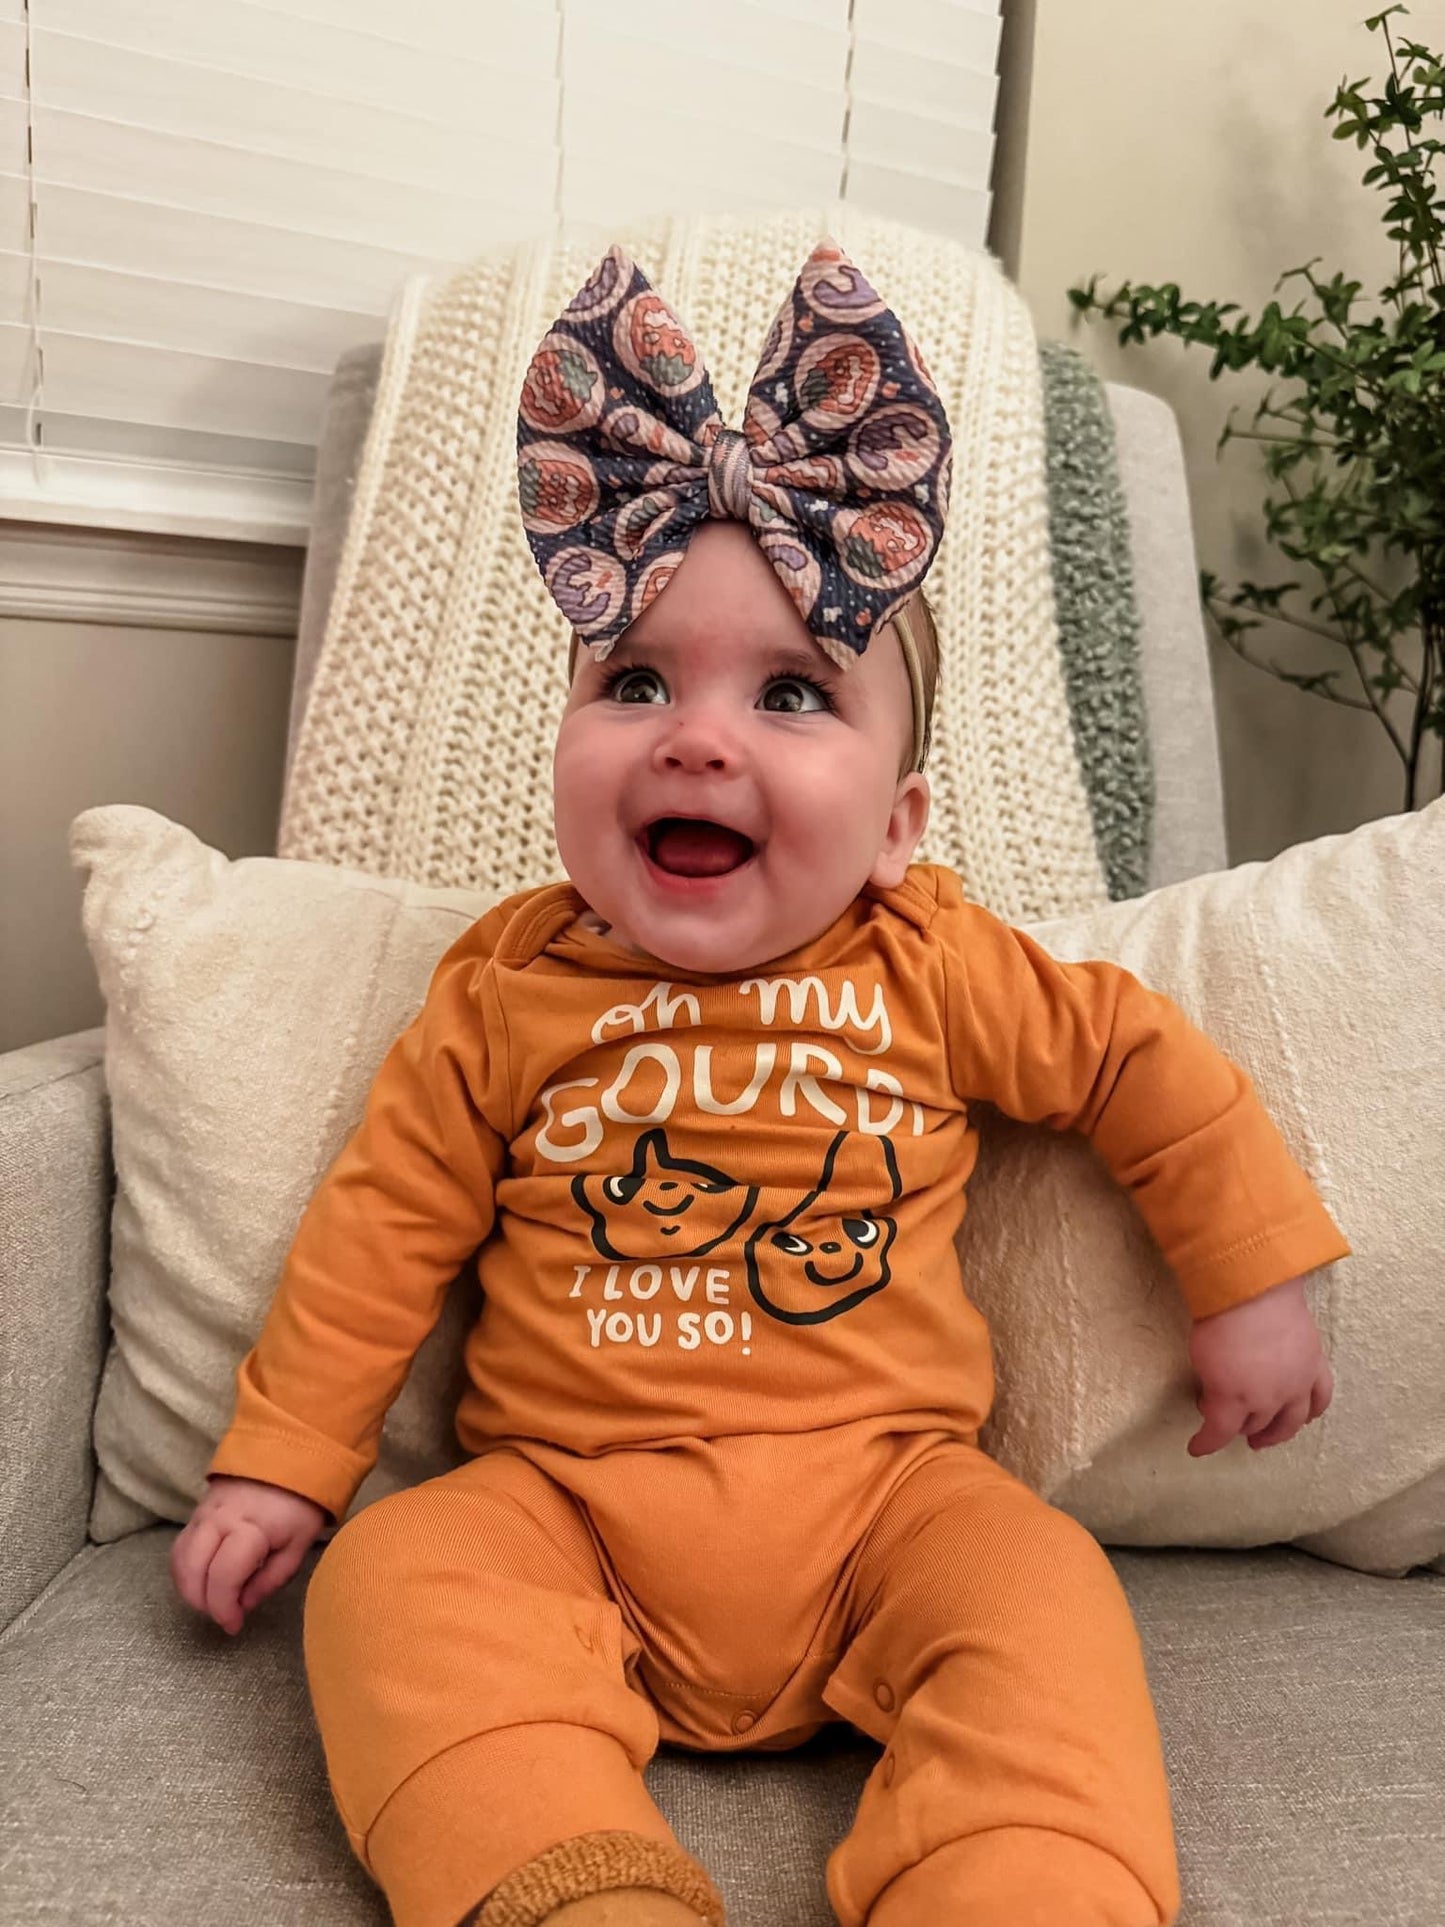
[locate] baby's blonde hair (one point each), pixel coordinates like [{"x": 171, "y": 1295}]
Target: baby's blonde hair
[{"x": 917, "y": 612}]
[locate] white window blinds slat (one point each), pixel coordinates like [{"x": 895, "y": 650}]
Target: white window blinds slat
[
  {"x": 14, "y": 360},
  {"x": 12, "y": 58},
  {"x": 803, "y": 52},
  {"x": 966, "y": 31},
  {"x": 81, "y": 300},
  {"x": 14, "y": 219},
  {"x": 946, "y": 207},
  {"x": 276, "y": 44},
  {"x": 147, "y": 442},
  {"x": 630, "y": 86},
  {"x": 942, "y": 89},
  {"x": 170, "y": 388},
  {"x": 14, "y": 137},
  {"x": 914, "y": 144},
  {"x": 14, "y": 281},
  {"x": 207, "y": 177},
  {"x": 257, "y": 257},
  {"x": 440, "y": 26},
  {"x": 228, "y": 196},
  {"x": 291, "y": 120}
]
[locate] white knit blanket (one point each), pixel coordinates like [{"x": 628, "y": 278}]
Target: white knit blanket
[{"x": 425, "y": 751}]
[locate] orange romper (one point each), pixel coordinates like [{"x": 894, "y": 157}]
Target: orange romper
[{"x": 723, "y": 1399}]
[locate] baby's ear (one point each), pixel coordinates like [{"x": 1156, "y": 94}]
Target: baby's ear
[{"x": 906, "y": 824}]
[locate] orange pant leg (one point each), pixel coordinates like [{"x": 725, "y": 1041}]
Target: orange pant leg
[
  {"x": 992, "y": 1650},
  {"x": 470, "y": 1678}
]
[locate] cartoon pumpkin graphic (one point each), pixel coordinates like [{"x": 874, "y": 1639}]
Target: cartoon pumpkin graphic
[
  {"x": 828, "y": 1252},
  {"x": 557, "y": 487},
  {"x": 652, "y": 344},
  {"x": 563, "y": 389},
  {"x": 885, "y": 544},
  {"x": 662, "y": 1206}
]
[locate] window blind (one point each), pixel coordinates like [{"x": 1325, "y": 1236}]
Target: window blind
[{"x": 201, "y": 207}]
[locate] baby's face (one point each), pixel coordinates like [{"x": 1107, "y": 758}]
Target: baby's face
[{"x": 722, "y": 791}]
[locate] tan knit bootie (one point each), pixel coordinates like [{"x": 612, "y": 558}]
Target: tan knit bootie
[{"x": 605, "y": 1879}]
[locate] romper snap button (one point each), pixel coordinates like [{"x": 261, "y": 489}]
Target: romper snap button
[
  {"x": 743, "y": 1721},
  {"x": 883, "y": 1693}
]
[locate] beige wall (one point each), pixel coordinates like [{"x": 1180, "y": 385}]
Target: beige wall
[
  {"x": 1167, "y": 141},
  {"x": 188, "y": 723}
]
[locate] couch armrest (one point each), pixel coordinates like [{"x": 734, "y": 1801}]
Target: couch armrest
[{"x": 55, "y": 1192}]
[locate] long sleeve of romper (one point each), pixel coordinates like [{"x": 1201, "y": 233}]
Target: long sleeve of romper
[
  {"x": 1088, "y": 1047},
  {"x": 405, "y": 1203}
]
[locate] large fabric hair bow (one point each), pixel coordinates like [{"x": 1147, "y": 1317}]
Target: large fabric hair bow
[{"x": 841, "y": 468}]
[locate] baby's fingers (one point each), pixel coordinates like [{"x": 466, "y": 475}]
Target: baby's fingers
[
  {"x": 239, "y": 1554},
  {"x": 281, "y": 1566},
  {"x": 190, "y": 1557},
  {"x": 1322, "y": 1391},
  {"x": 1224, "y": 1418},
  {"x": 1283, "y": 1426}
]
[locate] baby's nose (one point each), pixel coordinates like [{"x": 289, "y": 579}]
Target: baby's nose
[
  {"x": 699, "y": 740},
  {"x": 688, "y": 755}
]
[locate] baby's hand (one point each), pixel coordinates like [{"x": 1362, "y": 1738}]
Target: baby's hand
[
  {"x": 1262, "y": 1371},
  {"x": 243, "y": 1541}
]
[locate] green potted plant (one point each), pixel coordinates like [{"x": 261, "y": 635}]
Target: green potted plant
[{"x": 1355, "y": 446}]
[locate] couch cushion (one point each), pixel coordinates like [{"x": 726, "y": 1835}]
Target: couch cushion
[
  {"x": 54, "y": 1203},
  {"x": 157, "y": 1771}
]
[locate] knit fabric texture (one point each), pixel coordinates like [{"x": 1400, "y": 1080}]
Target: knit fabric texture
[
  {"x": 425, "y": 751},
  {"x": 1098, "y": 617},
  {"x": 596, "y": 1863}
]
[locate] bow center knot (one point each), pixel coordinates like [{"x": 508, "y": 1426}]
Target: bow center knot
[{"x": 729, "y": 480}]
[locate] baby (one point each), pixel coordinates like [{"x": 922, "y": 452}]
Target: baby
[{"x": 704, "y": 1114}]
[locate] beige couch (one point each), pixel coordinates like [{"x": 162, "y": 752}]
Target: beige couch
[{"x": 153, "y": 1772}]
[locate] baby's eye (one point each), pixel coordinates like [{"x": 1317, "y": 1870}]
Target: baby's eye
[
  {"x": 792, "y": 696},
  {"x": 637, "y": 686}
]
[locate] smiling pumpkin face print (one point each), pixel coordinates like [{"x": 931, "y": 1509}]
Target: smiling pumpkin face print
[
  {"x": 821, "y": 1260},
  {"x": 664, "y": 1206}
]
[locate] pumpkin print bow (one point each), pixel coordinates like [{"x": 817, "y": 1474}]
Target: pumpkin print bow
[{"x": 841, "y": 468}]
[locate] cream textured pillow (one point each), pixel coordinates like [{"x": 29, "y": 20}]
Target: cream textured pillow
[
  {"x": 249, "y": 1005},
  {"x": 1321, "y": 974}
]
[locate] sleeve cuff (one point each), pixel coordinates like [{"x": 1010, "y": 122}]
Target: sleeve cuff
[
  {"x": 317, "y": 1468},
  {"x": 1258, "y": 1263}
]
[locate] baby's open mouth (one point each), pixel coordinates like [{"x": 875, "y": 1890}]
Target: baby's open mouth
[{"x": 693, "y": 846}]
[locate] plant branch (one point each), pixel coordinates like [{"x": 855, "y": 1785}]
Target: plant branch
[
  {"x": 1280, "y": 675},
  {"x": 1290, "y": 441},
  {"x": 1354, "y": 650},
  {"x": 1344, "y": 490},
  {"x": 1341, "y": 642}
]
